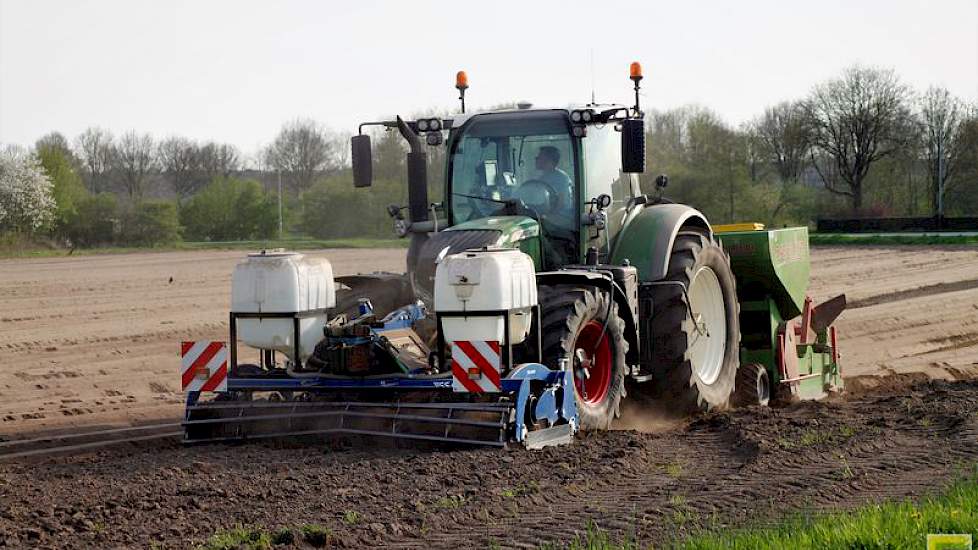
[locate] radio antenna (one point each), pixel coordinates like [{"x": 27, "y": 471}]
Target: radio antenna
[{"x": 593, "y": 102}]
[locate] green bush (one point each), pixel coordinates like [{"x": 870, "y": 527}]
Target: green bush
[
  {"x": 93, "y": 220},
  {"x": 67, "y": 187},
  {"x": 230, "y": 210},
  {"x": 150, "y": 223},
  {"x": 334, "y": 209}
]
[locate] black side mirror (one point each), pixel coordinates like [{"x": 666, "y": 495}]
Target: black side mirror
[
  {"x": 633, "y": 146},
  {"x": 362, "y": 161},
  {"x": 661, "y": 181},
  {"x": 603, "y": 201}
]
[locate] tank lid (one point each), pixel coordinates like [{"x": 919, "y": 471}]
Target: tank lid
[
  {"x": 272, "y": 253},
  {"x": 473, "y": 251}
]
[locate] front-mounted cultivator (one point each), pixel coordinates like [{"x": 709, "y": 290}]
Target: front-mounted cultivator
[{"x": 480, "y": 397}]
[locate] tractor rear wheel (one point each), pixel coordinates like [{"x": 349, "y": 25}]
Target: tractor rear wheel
[
  {"x": 695, "y": 327},
  {"x": 581, "y": 325}
]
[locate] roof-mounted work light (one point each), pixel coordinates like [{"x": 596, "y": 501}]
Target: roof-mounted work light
[{"x": 582, "y": 116}]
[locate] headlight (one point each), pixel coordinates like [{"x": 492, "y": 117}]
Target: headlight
[{"x": 423, "y": 125}]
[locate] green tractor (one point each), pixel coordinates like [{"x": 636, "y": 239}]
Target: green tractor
[
  {"x": 542, "y": 289},
  {"x": 632, "y": 287}
]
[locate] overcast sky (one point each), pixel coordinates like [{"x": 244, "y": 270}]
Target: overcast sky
[{"x": 236, "y": 70}]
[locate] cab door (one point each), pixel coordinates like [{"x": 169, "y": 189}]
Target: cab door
[{"x": 603, "y": 175}]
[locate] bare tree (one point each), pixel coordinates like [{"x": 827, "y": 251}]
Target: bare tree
[
  {"x": 941, "y": 116},
  {"x": 134, "y": 159},
  {"x": 179, "y": 160},
  {"x": 783, "y": 139},
  {"x": 218, "y": 160},
  {"x": 301, "y": 151},
  {"x": 857, "y": 120},
  {"x": 94, "y": 147}
]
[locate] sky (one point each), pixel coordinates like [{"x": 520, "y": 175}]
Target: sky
[{"x": 236, "y": 70}]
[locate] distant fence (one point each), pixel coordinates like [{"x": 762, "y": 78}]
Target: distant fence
[{"x": 896, "y": 225}]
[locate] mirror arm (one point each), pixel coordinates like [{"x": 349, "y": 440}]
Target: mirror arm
[
  {"x": 384, "y": 123},
  {"x": 412, "y": 138}
]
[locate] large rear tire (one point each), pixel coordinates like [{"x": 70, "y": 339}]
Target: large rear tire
[
  {"x": 695, "y": 326},
  {"x": 586, "y": 319}
]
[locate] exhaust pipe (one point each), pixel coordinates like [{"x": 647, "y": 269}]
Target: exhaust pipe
[{"x": 417, "y": 165}]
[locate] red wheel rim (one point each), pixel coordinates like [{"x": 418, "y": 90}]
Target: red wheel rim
[{"x": 593, "y": 339}]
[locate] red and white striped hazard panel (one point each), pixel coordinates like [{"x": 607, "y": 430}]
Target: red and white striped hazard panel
[
  {"x": 204, "y": 365},
  {"x": 475, "y": 366}
]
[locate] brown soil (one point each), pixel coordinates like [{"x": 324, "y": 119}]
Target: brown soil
[
  {"x": 913, "y": 310},
  {"x": 719, "y": 470},
  {"x": 93, "y": 340}
]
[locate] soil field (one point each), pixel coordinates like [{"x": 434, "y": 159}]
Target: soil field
[
  {"x": 95, "y": 339},
  {"x": 720, "y": 470},
  {"x": 92, "y": 341}
]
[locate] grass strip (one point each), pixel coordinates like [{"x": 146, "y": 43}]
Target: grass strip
[
  {"x": 891, "y": 240},
  {"x": 892, "y": 524}
]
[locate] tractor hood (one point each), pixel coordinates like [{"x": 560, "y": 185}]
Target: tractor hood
[
  {"x": 497, "y": 231},
  {"x": 512, "y": 229}
]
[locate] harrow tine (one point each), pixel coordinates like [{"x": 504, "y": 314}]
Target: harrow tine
[{"x": 466, "y": 424}]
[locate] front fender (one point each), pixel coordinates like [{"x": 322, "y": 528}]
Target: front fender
[
  {"x": 627, "y": 309},
  {"x": 646, "y": 239}
]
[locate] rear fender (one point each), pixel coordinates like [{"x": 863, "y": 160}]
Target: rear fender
[
  {"x": 603, "y": 281},
  {"x": 646, "y": 241}
]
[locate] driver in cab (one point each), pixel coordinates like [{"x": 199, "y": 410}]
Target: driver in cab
[
  {"x": 560, "y": 186},
  {"x": 557, "y": 219},
  {"x": 548, "y": 157}
]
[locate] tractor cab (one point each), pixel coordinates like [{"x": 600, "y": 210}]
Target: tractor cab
[
  {"x": 556, "y": 183},
  {"x": 540, "y": 164}
]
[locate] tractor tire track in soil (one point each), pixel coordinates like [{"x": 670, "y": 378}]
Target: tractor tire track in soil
[{"x": 717, "y": 470}]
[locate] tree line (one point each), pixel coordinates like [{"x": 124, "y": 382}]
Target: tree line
[{"x": 861, "y": 144}]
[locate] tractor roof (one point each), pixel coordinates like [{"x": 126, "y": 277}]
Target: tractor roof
[{"x": 460, "y": 118}]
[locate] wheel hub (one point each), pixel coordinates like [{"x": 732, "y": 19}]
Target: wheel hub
[
  {"x": 592, "y": 363},
  {"x": 707, "y": 326}
]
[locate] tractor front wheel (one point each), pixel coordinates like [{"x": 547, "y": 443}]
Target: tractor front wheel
[{"x": 581, "y": 326}]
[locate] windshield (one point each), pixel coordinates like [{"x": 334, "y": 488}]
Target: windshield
[{"x": 527, "y": 157}]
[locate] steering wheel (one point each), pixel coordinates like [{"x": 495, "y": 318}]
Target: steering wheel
[{"x": 539, "y": 195}]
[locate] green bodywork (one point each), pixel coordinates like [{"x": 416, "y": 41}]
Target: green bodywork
[
  {"x": 772, "y": 271},
  {"x": 516, "y": 232},
  {"x": 776, "y": 260},
  {"x": 647, "y": 235}
]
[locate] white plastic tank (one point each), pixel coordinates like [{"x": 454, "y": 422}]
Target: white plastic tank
[
  {"x": 276, "y": 281},
  {"x": 486, "y": 280}
]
